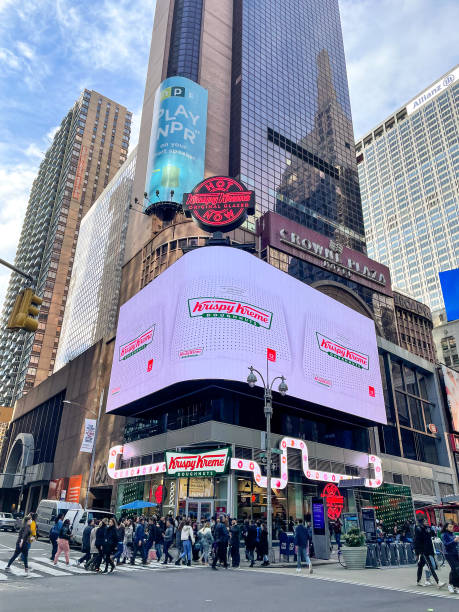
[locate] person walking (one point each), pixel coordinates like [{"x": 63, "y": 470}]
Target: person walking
[
  {"x": 128, "y": 541},
  {"x": 423, "y": 547},
  {"x": 22, "y": 546},
  {"x": 263, "y": 546},
  {"x": 86, "y": 543},
  {"x": 303, "y": 537},
  {"x": 337, "y": 528},
  {"x": 168, "y": 540},
  {"x": 99, "y": 543},
  {"x": 206, "y": 539},
  {"x": 63, "y": 542},
  {"x": 450, "y": 542},
  {"x": 221, "y": 537},
  {"x": 187, "y": 538},
  {"x": 235, "y": 542},
  {"x": 251, "y": 542},
  {"x": 139, "y": 541},
  {"x": 54, "y": 534},
  {"x": 110, "y": 544},
  {"x": 159, "y": 539},
  {"x": 120, "y": 545}
]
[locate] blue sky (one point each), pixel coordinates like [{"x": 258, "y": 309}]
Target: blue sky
[{"x": 52, "y": 49}]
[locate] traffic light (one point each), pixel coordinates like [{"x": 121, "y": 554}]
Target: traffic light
[{"x": 24, "y": 310}]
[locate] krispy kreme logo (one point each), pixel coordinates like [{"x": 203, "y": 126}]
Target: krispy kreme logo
[
  {"x": 338, "y": 351},
  {"x": 134, "y": 346},
  {"x": 200, "y": 464},
  {"x": 230, "y": 309}
]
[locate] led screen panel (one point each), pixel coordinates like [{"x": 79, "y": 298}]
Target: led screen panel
[
  {"x": 217, "y": 310},
  {"x": 449, "y": 281},
  {"x": 451, "y": 379},
  {"x": 178, "y": 140}
]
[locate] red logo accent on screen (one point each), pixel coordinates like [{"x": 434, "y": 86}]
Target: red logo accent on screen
[
  {"x": 150, "y": 365},
  {"x": 219, "y": 203},
  {"x": 371, "y": 391},
  {"x": 159, "y": 494},
  {"x": 271, "y": 354}
]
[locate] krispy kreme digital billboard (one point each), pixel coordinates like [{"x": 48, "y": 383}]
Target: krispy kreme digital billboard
[{"x": 216, "y": 310}]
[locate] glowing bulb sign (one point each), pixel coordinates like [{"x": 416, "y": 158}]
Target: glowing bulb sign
[
  {"x": 247, "y": 465},
  {"x": 219, "y": 204},
  {"x": 334, "y": 499}
]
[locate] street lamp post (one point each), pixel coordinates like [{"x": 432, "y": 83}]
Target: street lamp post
[{"x": 268, "y": 397}]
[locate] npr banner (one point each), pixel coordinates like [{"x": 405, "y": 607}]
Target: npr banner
[
  {"x": 89, "y": 434},
  {"x": 451, "y": 379},
  {"x": 178, "y": 140}
]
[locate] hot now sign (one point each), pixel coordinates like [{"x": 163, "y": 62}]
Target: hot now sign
[{"x": 199, "y": 464}]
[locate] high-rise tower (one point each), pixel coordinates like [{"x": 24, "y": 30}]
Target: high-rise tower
[{"x": 88, "y": 149}]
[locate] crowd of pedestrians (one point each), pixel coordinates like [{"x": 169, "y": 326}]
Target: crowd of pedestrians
[{"x": 181, "y": 540}]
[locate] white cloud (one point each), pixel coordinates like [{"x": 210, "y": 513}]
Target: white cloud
[
  {"x": 394, "y": 50},
  {"x": 135, "y": 128},
  {"x": 26, "y": 50},
  {"x": 52, "y": 132},
  {"x": 34, "y": 151},
  {"x": 15, "y": 184}
]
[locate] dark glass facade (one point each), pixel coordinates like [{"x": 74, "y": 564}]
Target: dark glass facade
[
  {"x": 185, "y": 39},
  {"x": 291, "y": 125}
]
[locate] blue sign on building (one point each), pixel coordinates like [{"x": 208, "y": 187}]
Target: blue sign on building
[
  {"x": 449, "y": 281},
  {"x": 178, "y": 140}
]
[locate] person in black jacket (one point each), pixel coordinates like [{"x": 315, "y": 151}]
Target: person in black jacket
[
  {"x": 110, "y": 544},
  {"x": 99, "y": 543},
  {"x": 263, "y": 545},
  {"x": 22, "y": 545},
  {"x": 423, "y": 547},
  {"x": 235, "y": 533},
  {"x": 221, "y": 537},
  {"x": 86, "y": 542},
  {"x": 251, "y": 542}
]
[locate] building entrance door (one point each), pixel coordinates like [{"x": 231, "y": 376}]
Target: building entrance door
[{"x": 199, "y": 509}]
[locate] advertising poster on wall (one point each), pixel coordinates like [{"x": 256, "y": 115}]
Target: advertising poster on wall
[
  {"x": 74, "y": 488},
  {"x": 451, "y": 379},
  {"x": 178, "y": 140},
  {"x": 216, "y": 310}
]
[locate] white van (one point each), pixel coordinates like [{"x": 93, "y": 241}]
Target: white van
[
  {"x": 80, "y": 518},
  {"x": 47, "y": 512}
]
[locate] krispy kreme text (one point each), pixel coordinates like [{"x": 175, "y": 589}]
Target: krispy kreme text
[
  {"x": 334, "y": 349},
  {"x": 230, "y": 309},
  {"x": 134, "y": 346},
  {"x": 199, "y": 464}
]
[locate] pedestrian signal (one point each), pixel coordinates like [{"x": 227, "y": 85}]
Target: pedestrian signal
[{"x": 24, "y": 310}]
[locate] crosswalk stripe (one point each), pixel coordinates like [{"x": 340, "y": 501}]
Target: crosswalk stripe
[
  {"x": 68, "y": 568},
  {"x": 16, "y": 571},
  {"x": 47, "y": 570}
]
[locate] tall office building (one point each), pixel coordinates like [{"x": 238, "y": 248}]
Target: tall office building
[
  {"x": 408, "y": 168},
  {"x": 87, "y": 151},
  {"x": 92, "y": 302}
]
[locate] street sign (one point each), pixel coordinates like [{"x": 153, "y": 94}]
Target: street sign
[{"x": 352, "y": 482}]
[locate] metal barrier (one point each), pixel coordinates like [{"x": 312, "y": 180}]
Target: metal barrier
[{"x": 382, "y": 554}]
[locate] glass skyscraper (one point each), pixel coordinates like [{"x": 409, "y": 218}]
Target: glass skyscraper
[
  {"x": 408, "y": 168},
  {"x": 92, "y": 302},
  {"x": 291, "y": 124}
]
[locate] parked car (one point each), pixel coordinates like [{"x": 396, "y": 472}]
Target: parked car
[
  {"x": 47, "y": 512},
  {"x": 7, "y": 521},
  {"x": 79, "y": 519}
]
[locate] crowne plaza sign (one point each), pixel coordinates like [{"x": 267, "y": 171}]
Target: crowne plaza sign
[{"x": 197, "y": 464}]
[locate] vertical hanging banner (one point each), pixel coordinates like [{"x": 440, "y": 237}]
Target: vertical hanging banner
[
  {"x": 89, "y": 434},
  {"x": 73, "y": 491},
  {"x": 178, "y": 140}
]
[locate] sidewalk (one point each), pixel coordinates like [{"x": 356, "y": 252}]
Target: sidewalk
[{"x": 398, "y": 578}]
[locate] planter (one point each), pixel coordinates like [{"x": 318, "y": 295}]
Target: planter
[{"x": 355, "y": 557}]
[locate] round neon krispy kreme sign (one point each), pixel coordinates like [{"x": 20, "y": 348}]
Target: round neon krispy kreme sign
[
  {"x": 219, "y": 203},
  {"x": 246, "y": 465}
]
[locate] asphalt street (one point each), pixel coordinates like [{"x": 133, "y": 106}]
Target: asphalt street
[{"x": 195, "y": 589}]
